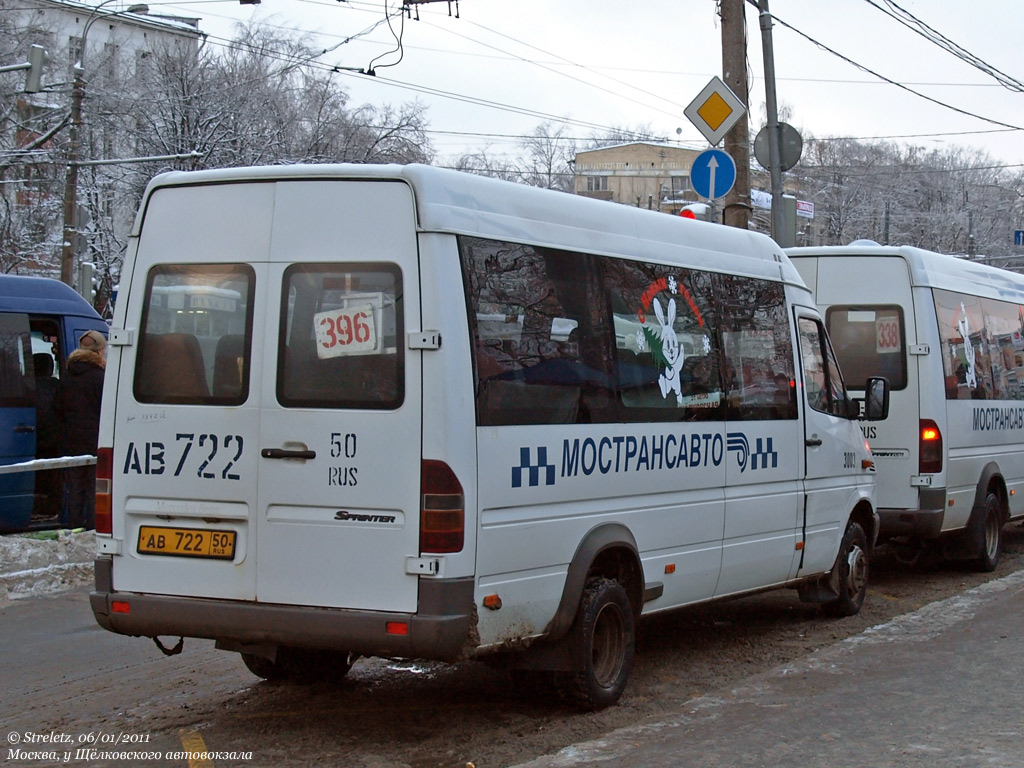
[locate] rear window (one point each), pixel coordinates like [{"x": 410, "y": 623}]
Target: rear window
[
  {"x": 869, "y": 341},
  {"x": 196, "y": 335},
  {"x": 341, "y": 342}
]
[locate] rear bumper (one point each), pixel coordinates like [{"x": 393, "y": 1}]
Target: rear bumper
[
  {"x": 922, "y": 523},
  {"x": 444, "y": 628}
]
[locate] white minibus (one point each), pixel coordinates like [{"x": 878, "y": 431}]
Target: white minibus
[
  {"x": 948, "y": 334},
  {"x": 401, "y": 411}
]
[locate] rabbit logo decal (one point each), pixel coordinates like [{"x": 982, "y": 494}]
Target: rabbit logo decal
[
  {"x": 670, "y": 350},
  {"x": 663, "y": 342},
  {"x": 963, "y": 325}
]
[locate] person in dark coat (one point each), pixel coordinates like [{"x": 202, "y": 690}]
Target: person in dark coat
[{"x": 81, "y": 390}]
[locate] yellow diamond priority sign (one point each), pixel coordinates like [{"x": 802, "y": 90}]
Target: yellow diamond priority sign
[{"x": 715, "y": 110}]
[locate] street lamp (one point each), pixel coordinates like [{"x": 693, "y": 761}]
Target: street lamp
[{"x": 67, "y": 257}]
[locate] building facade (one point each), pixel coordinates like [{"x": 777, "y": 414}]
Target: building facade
[
  {"x": 103, "y": 49},
  {"x": 647, "y": 175},
  {"x": 657, "y": 176}
]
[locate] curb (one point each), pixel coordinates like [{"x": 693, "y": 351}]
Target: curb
[
  {"x": 32, "y": 566},
  {"x": 623, "y": 746}
]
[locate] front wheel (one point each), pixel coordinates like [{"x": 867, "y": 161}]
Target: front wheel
[
  {"x": 603, "y": 641},
  {"x": 852, "y": 572}
]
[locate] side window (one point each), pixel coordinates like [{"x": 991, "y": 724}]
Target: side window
[
  {"x": 196, "y": 337},
  {"x": 982, "y": 347},
  {"x": 562, "y": 338},
  {"x": 869, "y": 341},
  {"x": 758, "y": 350},
  {"x": 17, "y": 384},
  {"x": 540, "y": 335},
  {"x": 1004, "y": 329},
  {"x": 666, "y": 342},
  {"x": 46, "y": 341},
  {"x": 822, "y": 380},
  {"x": 342, "y": 337}
]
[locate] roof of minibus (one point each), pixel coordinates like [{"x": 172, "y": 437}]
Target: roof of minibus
[
  {"x": 21, "y": 293},
  {"x": 461, "y": 203},
  {"x": 932, "y": 270}
]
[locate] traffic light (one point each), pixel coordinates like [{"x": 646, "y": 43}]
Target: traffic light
[
  {"x": 87, "y": 281},
  {"x": 698, "y": 211},
  {"x": 37, "y": 59}
]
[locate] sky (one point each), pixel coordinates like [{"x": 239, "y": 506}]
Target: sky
[{"x": 502, "y": 67}]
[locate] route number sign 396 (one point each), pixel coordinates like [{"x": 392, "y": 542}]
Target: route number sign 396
[{"x": 345, "y": 331}]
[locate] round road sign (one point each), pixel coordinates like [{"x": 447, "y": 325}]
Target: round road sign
[{"x": 713, "y": 173}]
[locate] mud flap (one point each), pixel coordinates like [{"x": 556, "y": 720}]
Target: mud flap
[{"x": 821, "y": 589}]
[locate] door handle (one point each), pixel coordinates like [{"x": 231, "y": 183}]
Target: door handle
[
  {"x": 24, "y": 428},
  {"x": 813, "y": 441},
  {"x": 281, "y": 453}
]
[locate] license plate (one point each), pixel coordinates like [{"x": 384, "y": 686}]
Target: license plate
[{"x": 186, "y": 542}]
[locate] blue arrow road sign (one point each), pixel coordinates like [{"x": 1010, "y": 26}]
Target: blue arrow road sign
[
  {"x": 1018, "y": 237},
  {"x": 713, "y": 173}
]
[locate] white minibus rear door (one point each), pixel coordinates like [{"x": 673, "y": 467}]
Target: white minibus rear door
[
  {"x": 340, "y": 448},
  {"x": 181, "y": 377}
]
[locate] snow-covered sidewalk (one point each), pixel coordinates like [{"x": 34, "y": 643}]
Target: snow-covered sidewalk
[{"x": 44, "y": 563}]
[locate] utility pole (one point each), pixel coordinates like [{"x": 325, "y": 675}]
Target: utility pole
[
  {"x": 737, "y": 208},
  {"x": 67, "y": 252},
  {"x": 774, "y": 138}
]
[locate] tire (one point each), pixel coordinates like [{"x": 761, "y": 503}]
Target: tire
[
  {"x": 987, "y": 535},
  {"x": 301, "y": 665},
  {"x": 261, "y": 666},
  {"x": 852, "y": 566},
  {"x": 602, "y": 641}
]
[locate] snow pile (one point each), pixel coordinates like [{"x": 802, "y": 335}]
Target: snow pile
[{"x": 38, "y": 564}]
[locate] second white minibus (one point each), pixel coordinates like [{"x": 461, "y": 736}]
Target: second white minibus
[
  {"x": 406, "y": 412},
  {"x": 948, "y": 334}
]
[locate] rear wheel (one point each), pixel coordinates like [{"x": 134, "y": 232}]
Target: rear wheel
[
  {"x": 301, "y": 665},
  {"x": 852, "y": 572},
  {"x": 603, "y": 639},
  {"x": 987, "y": 535},
  {"x": 261, "y": 666}
]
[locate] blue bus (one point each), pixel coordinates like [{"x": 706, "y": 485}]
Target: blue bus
[{"x": 41, "y": 321}]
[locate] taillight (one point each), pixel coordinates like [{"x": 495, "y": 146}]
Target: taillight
[
  {"x": 442, "y": 512},
  {"x": 104, "y": 488},
  {"x": 930, "y": 460}
]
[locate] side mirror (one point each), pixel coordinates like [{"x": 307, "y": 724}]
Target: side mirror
[{"x": 876, "y": 399}]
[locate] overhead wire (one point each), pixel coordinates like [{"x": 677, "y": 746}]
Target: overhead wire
[
  {"x": 352, "y": 71},
  {"x": 909, "y": 20},
  {"x": 566, "y": 61},
  {"x": 311, "y": 61},
  {"x": 398, "y": 40},
  {"x": 496, "y": 105},
  {"x": 896, "y": 83}
]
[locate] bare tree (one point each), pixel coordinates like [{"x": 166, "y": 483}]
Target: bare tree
[
  {"x": 955, "y": 201},
  {"x": 549, "y": 157},
  {"x": 262, "y": 99},
  {"x": 485, "y": 163},
  {"x": 28, "y": 177}
]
